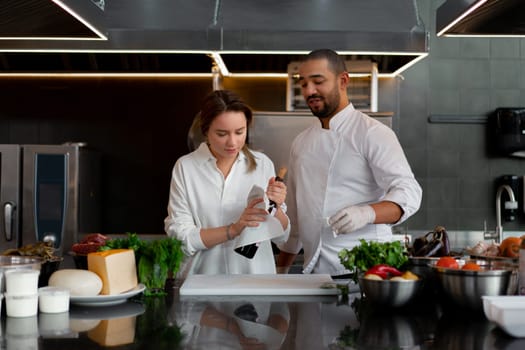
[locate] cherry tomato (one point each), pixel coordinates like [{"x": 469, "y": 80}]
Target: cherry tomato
[
  {"x": 470, "y": 265},
  {"x": 447, "y": 261}
]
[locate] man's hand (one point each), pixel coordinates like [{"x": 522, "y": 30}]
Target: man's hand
[{"x": 352, "y": 218}]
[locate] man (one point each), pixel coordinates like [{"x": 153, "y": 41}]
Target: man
[{"x": 348, "y": 177}]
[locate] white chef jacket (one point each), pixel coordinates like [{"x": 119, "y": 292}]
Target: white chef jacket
[
  {"x": 200, "y": 197},
  {"x": 357, "y": 161}
]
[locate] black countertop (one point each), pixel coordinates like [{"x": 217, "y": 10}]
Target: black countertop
[{"x": 256, "y": 322}]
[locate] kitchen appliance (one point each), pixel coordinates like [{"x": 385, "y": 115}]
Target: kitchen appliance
[
  {"x": 507, "y": 126},
  {"x": 48, "y": 193}
]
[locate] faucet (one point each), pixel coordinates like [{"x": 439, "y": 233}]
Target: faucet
[{"x": 511, "y": 204}]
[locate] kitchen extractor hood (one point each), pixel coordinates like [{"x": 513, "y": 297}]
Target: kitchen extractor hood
[
  {"x": 481, "y": 18},
  {"x": 51, "y": 20},
  {"x": 243, "y": 37}
]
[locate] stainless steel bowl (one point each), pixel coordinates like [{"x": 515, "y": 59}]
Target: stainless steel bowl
[
  {"x": 421, "y": 267},
  {"x": 11, "y": 262},
  {"x": 390, "y": 293},
  {"x": 389, "y": 330},
  {"x": 466, "y": 287}
]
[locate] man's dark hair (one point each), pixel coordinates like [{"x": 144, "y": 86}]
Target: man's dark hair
[{"x": 335, "y": 62}]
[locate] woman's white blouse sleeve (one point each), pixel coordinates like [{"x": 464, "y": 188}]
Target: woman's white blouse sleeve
[{"x": 180, "y": 223}]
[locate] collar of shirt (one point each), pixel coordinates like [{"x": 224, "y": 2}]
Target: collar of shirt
[
  {"x": 204, "y": 155},
  {"x": 339, "y": 118}
]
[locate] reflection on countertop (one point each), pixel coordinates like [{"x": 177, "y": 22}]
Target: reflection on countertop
[{"x": 257, "y": 322}]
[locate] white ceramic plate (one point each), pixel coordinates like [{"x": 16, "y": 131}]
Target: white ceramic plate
[
  {"x": 127, "y": 309},
  {"x": 105, "y": 300}
]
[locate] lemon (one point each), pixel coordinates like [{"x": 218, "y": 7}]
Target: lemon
[{"x": 409, "y": 276}]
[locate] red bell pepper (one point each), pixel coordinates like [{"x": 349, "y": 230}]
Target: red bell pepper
[{"x": 384, "y": 271}]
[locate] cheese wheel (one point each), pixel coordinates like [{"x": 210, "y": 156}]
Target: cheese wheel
[{"x": 79, "y": 282}]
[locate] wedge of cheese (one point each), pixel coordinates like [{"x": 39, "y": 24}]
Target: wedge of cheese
[
  {"x": 116, "y": 268},
  {"x": 114, "y": 332}
]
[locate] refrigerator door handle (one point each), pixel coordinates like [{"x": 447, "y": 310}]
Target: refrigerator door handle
[{"x": 9, "y": 208}]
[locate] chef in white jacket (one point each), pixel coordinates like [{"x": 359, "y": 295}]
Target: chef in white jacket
[
  {"x": 209, "y": 210},
  {"x": 348, "y": 177}
]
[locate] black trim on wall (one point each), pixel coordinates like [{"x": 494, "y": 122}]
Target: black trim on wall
[{"x": 457, "y": 119}]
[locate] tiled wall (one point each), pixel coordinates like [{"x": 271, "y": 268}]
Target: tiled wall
[{"x": 465, "y": 78}]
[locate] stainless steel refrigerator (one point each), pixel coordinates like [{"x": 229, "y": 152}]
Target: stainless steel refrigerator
[{"x": 48, "y": 193}]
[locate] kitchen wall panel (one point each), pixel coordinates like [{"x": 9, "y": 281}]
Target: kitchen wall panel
[{"x": 467, "y": 77}]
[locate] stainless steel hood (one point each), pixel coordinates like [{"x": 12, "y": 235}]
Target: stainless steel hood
[
  {"x": 52, "y": 19},
  {"x": 490, "y": 18},
  {"x": 165, "y": 36}
]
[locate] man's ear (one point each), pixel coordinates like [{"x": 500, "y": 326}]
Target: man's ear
[{"x": 344, "y": 79}]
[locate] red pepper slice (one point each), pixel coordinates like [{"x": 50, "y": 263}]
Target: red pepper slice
[{"x": 384, "y": 271}]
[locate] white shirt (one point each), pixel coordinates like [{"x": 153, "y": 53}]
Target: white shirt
[
  {"x": 200, "y": 197},
  {"x": 357, "y": 161}
]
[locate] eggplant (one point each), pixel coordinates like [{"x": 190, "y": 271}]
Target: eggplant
[{"x": 432, "y": 244}]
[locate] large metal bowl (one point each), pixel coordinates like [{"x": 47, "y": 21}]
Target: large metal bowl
[
  {"x": 390, "y": 293},
  {"x": 465, "y": 287}
]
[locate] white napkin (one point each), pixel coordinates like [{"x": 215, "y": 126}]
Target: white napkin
[{"x": 269, "y": 229}]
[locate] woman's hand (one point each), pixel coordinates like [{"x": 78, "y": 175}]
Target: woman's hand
[
  {"x": 276, "y": 191},
  {"x": 251, "y": 217}
]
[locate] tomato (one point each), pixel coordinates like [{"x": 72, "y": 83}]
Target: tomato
[
  {"x": 447, "y": 261},
  {"x": 470, "y": 265}
]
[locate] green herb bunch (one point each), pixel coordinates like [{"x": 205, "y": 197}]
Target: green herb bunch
[
  {"x": 370, "y": 253},
  {"x": 156, "y": 259}
]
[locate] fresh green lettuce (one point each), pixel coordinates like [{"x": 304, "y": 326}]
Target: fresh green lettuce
[{"x": 369, "y": 253}]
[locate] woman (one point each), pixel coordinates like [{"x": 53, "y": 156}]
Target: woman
[{"x": 208, "y": 206}]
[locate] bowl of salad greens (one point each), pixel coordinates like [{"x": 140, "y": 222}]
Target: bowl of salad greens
[
  {"x": 370, "y": 253},
  {"x": 380, "y": 269}
]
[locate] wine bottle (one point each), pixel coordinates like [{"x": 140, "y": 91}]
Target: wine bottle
[
  {"x": 249, "y": 250},
  {"x": 272, "y": 209}
]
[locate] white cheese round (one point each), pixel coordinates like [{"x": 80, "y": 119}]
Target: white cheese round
[{"x": 79, "y": 282}]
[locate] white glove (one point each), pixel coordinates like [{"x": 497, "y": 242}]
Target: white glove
[{"x": 352, "y": 218}]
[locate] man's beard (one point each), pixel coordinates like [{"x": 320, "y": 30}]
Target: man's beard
[{"x": 330, "y": 105}]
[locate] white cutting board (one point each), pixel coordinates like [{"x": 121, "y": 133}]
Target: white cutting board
[{"x": 259, "y": 284}]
